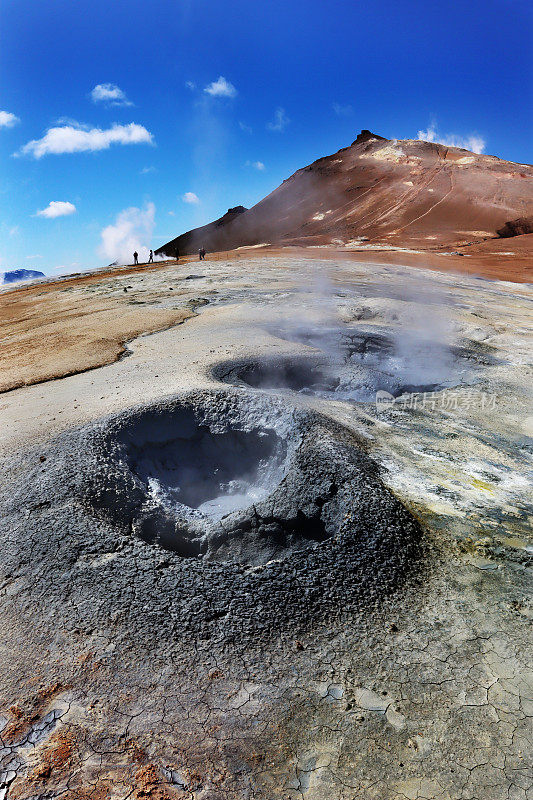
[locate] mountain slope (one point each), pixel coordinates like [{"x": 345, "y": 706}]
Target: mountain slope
[
  {"x": 215, "y": 231},
  {"x": 379, "y": 192}
]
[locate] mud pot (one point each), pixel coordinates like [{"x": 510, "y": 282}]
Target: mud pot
[
  {"x": 233, "y": 478},
  {"x": 355, "y": 364}
]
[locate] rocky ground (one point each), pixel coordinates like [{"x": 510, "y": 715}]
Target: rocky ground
[{"x": 355, "y": 623}]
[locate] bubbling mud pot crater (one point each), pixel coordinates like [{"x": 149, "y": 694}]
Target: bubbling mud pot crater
[
  {"x": 237, "y": 478},
  {"x": 185, "y": 465},
  {"x": 225, "y": 515},
  {"x": 353, "y": 365}
]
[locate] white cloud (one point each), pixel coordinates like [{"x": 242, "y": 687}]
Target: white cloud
[
  {"x": 244, "y": 127},
  {"x": 147, "y": 170},
  {"x": 57, "y": 208},
  {"x": 63, "y": 121},
  {"x": 190, "y": 197},
  {"x": 31, "y": 258},
  {"x": 342, "y": 111},
  {"x": 77, "y": 139},
  {"x": 473, "y": 142},
  {"x": 280, "y": 120},
  {"x": 7, "y": 120},
  {"x": 255, "y": 164},
  {"x": 190, "y": 85},
  {"x": 131, "y": 232},
  {"x": 221, "y": 88},
  {"x": 109, "y": 94}
]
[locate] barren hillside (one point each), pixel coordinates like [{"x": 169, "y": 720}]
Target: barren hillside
[{"x": 379, "y": 193}]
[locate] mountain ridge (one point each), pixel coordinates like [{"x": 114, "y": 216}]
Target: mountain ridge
[{"x": 378, "y": 192}]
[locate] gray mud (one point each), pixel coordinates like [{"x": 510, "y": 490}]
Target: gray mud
[{"x": 325, "y": 537}]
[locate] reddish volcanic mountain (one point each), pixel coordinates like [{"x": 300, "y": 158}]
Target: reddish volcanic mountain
[{"x": 379, "y": 193}]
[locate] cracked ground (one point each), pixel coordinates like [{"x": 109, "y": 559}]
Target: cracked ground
[{"x": 388, "y": 658}]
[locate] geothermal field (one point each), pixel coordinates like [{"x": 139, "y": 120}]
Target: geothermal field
[
  {"x": 265, "y": 518},
  {"x": 231, "y": 568}
]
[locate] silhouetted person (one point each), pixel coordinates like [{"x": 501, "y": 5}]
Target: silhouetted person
[
  {"x": 151, "y": 258},
  {"x": 177, "y": 254},
  {"x": 201, "y": 254},
  {"x": 136, "y": 257}
]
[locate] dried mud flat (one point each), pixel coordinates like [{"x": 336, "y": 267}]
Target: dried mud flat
[{"x": 228, "y": 573}]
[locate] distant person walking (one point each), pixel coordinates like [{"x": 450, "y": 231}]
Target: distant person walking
[
  {"x": 136, "y": 257},
  {"x": 151, "y": 258},
  {"x": 177, "y": 254},
  {"x": 201, "y": 254}
]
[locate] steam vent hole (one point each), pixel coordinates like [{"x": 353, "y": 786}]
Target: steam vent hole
[
  {"x": 244, "y": 479},
  {"x": 353, "y": 366},
  {"x": 186, "y": 464}
]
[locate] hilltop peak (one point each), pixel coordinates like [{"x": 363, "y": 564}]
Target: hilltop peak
[{"x": 365, "y": 135}]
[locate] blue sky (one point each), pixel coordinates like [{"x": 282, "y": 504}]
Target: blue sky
[{"x": 299, "y": 80}]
